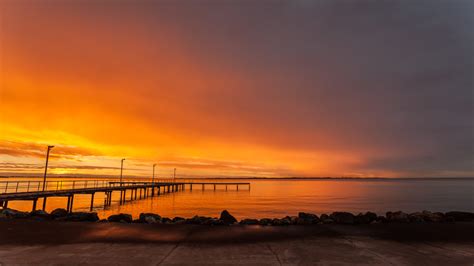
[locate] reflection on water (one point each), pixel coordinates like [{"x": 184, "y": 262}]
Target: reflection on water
[{"x": 274, "y": 198}]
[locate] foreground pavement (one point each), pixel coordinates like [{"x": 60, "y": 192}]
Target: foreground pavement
[{"x": 55, "y": 243}]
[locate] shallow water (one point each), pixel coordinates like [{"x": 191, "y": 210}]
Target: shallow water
[{"x": 278, "y": 198}]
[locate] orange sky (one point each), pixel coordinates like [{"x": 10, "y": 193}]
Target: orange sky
[{"x": 104, "y": 83}]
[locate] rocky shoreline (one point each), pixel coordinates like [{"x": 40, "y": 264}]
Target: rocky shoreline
[{"x": 227, "y": 219}]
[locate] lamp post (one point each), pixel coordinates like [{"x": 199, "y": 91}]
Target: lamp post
[
  {"x": 174, "y": 176},
  {"x": 153, "y": 178},
  {"x": 121, "y": 171},
  {"x": 46, "y": 167}
]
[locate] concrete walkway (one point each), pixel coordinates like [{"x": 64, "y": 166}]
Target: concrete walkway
[{"x": 132, "y": 244}]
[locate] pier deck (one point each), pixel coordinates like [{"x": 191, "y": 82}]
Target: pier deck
[{"x": 32, "y": 190}]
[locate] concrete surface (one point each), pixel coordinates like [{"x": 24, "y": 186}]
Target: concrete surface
[{"x": 131, "y": 244}]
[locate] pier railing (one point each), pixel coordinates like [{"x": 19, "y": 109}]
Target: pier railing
[{"x": 35, "y": 186}]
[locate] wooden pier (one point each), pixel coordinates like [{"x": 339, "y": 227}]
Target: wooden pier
[{"x": 129, "y": 191}]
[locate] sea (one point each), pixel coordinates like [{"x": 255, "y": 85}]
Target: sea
[{"x": 276, "y": 198}]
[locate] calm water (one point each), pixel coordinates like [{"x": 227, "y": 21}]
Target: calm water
[{"x": 273, "y": 198}]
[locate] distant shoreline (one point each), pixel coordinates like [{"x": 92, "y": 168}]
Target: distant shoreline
[{"x": 246, "y": 178}]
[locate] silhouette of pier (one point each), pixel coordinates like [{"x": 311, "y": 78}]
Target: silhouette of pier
[{"x": 129, "y": 190}]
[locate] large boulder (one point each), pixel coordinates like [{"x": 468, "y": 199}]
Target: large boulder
[
  {"x": 265, "y": 221},
  {"x": 365, "y": 218},
  {"x": 213, "y": 221},
  {"x": 179, "y": 220},
  {"x": 40, "y": 215},
  {"x": 460, "y": 216},
  {"x": 227, "y": 218},
  {"x": 307, "y": 218},
  {"x": 166, "y": 220},
  {"x": 249, "y": 221},
  {"x": 149, "y": 218},
  {"x": 13, "y": 214},
  {"x": 82, "y": 217},
  {"x": 120, "y": 218},
  {"x": 293, "y": 219},
  {"x": 397, "y": 217},
  {"x": 58, "y": 213},
  {"x": 433, "y": 217},
  {"x": 198, "y": 220},
  {"x": 416, "y": 217},
  {"x": 286, "y": 220},
  {"x": 343, "y": 217},
  {"x": 325, "y": 219},
  {"x": 381, "y": 219},
  {"x": 283, "y": 221}
]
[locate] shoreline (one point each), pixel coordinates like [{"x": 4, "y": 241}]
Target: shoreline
[{"x": 225, "y": 218}]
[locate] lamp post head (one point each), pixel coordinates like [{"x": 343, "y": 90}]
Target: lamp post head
[
  {"x": 154, "y": 165},
  {"x": 123, "y": 159},
  {"x": 50, "y": 146}
]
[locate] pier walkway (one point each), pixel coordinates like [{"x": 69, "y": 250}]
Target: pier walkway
[{"x": 129, "y": 190}]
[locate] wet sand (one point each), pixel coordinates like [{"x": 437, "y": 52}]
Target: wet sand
[{"x": 59, "y": 243}]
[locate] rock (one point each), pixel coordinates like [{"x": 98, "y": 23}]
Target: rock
[
  {"x": 327, "y": 221},
  {"x": 249, "y": 221},
  {"x": 102, "y": 221},
  {"x": 286, "y": 220},
  {"x": 179, "y": 220},
  {"x": 366, "y": 218},
  {"x": 57, "y": 213},
  {"x": 13, "y": 214},
  {"x": 265, "y": 221},
  {"x": 40, "y": 215},
  {"x": 433, "y": 217},
  {"x": 293, "y": 219},
  {"x": 324, "y": 216},
  {"x": 277, "y": 222},
  {"x": 382, "y": 219},
  {"x": 82, "y": 217},
  {"x": 120, "y": 218},
  {"x": 300, "y": 221},
  {"x": 343, "y": 217},
  {"x": 213, "y": 221},
  {"x": 227, "y": 218},
  {"x": 397, "y": 217},
  {"x": 150, "y": 218},
  {"x": 307, "y": 218},
  {"x": 166, "y": 220},
  {"x": 460, "y": 216},
  {"x": 198, "y": 220},
  {"x": 416, "y": 217}
]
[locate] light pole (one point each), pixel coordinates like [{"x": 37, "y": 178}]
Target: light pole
[
  {"x": 46, "y": 167},
  {"x": 153, "y": 178},
  {"x": 174, "y": 175},
  {"x": 121, "y": 171}
]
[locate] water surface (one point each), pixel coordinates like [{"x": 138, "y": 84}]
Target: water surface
[{"x": 278, "y": 198}]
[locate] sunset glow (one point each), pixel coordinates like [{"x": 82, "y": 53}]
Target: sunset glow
[{"x": 187, "y": 88}]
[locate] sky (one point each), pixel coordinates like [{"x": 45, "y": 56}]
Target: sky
[{"x": 237, "y": 88}]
